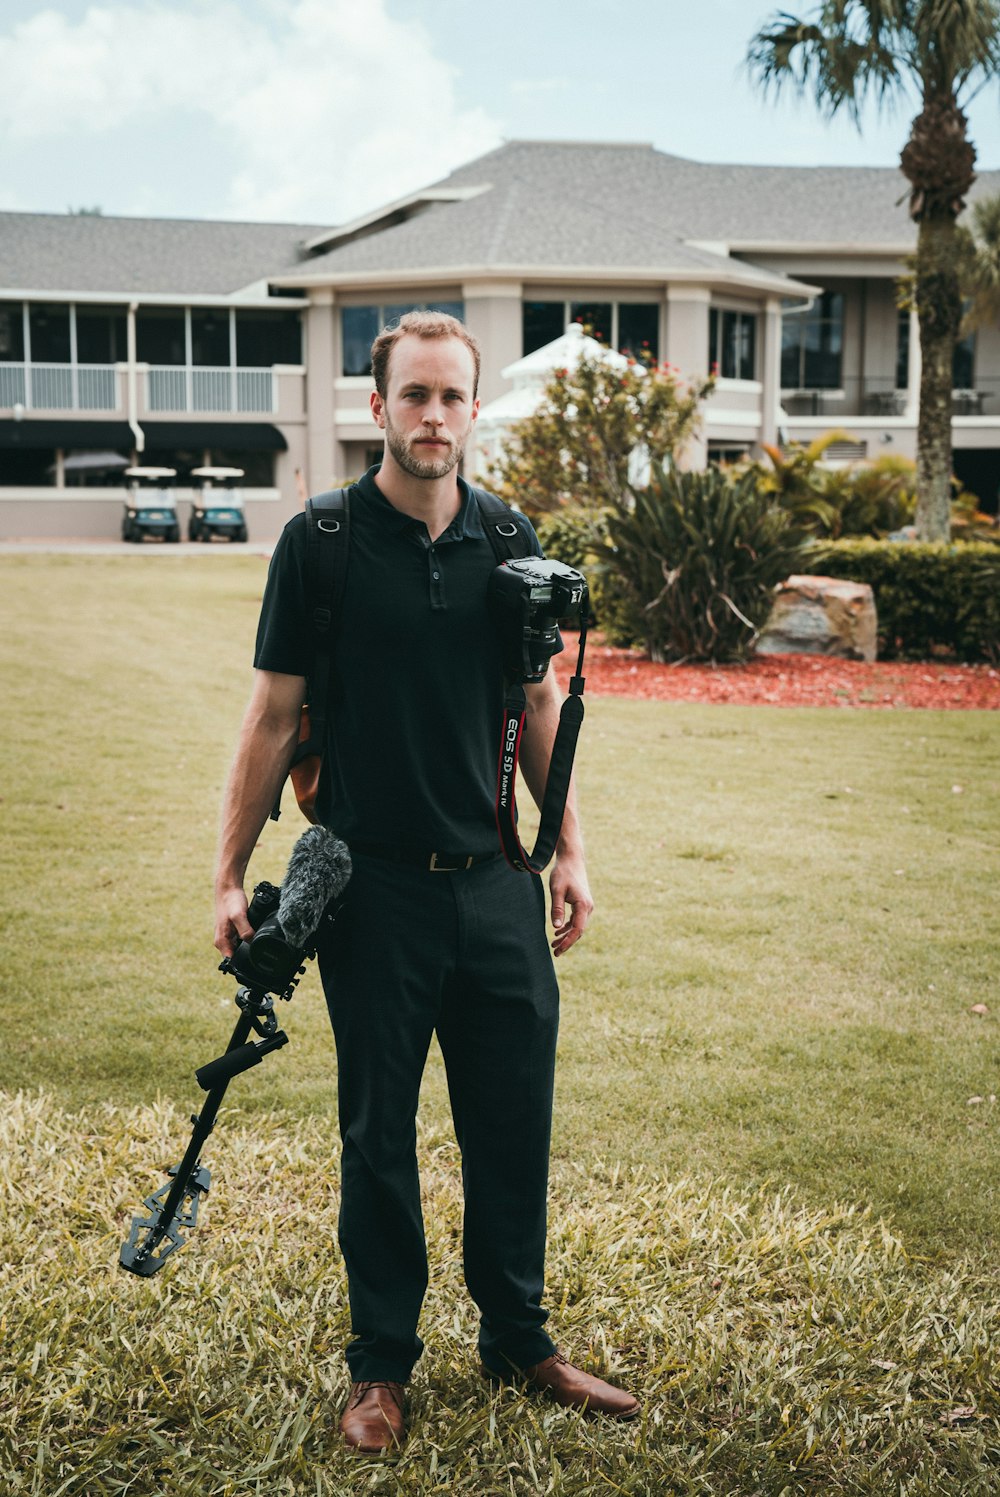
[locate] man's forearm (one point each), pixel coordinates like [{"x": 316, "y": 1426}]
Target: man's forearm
[{"x": 263, "y": 755}]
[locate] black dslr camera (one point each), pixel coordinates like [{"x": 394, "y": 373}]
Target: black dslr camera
[
  {"x": 268, "y": 961},
  {"x": 527, "y": 598}
]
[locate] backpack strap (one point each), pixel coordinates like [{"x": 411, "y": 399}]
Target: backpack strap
[
  {"x": 327, "y": 537},
  {"x": 504, "y": 534}
]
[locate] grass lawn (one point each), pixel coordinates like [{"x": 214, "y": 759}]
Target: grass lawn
[{"x": 766, "y": 1035}]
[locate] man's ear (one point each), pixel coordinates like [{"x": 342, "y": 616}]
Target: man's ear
[{"x": 377, "y": 408}]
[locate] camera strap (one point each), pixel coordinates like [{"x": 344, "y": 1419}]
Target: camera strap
[{"x": 560, "y": 769}]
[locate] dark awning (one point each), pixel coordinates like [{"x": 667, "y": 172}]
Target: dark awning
[
  {"x": 233, "y": 436},
  {"x": 69, "y": 435}
]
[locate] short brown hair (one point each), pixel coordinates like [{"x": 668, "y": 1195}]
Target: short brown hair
[{"x": 420, "y": 325}]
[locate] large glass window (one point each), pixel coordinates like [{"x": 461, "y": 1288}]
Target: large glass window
[
  {"x": 903, "y": 349},
  {"x": 101, "y": 335},
  {"x": 12, "y": 332},
  {"x": 732, "y": 343},
  {"x": 266, "y": 338},
  {"x": 541, "y": 322},
  {"x": 360, "y": 326},
  {"x": 812, "y": 344},
  {"x": 631, "y": 327},
  {"x": 963, "y": 364},
  {"x": 639, "y": 330},
  {"x": 595, "y": 316},
  {"x": 210, "y": 338},
  {"x": 49, "y": 326},
  {"x": 159, "y": 333}
]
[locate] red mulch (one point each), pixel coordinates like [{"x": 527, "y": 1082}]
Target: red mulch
[{"x": 784, "y": 680}]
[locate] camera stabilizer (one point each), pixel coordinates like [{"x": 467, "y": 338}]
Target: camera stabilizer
[{"x": 286, "y": 923}]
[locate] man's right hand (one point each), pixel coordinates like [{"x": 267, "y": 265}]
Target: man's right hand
[{"x": 231, "y": 923}]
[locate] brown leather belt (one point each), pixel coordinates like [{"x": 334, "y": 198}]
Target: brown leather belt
[{"x": 433, "y": 862}]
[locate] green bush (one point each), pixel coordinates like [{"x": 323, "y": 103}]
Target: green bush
[
  {"x": 698, "y": 557},
  {"x": 932, "y": 598},
  {"x": 574, "y": 537}
]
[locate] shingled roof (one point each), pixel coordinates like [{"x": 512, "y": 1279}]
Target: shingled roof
[
  {"x": 166, "y": 256},
  {"x": 576, "y": 206},
  {"x": 528, "y": 206}
]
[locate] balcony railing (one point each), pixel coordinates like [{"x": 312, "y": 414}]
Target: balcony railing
[
  {"x": 180, "y": 388},
  {"x": 875, "y": 396},
  {"x": 59, "y": 387}
]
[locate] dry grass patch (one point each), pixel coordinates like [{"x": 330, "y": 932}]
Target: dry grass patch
[{"x": 777, "y": 1349}]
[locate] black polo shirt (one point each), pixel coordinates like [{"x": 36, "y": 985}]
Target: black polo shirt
[{"x": 417, "y": 691}]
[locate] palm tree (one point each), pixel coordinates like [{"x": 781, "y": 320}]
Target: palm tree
[{"x": 850, "y": 50}]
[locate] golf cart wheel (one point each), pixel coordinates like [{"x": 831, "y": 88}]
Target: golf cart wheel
[
  {"x": 240, "y": 534},
  {"x": 193, "y": 529},
  {"x": 173, "y": 533}
]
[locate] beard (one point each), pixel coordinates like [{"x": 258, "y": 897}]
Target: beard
[{"x": 406, "y": 452}]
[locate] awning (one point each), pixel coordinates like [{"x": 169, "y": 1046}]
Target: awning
[
  {"x": 233, "y": 436},
  {"x": 69, "y": 435}
]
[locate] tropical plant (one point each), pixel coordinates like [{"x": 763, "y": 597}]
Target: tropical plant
[
  {"x": 593, "y": 423},
  {"x": 854, "y": 499},
  {"x": 852, "y": 49},
  {"x": 699, "y": 555}
]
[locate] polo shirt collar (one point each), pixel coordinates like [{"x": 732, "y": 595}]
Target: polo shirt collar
[{"x": 465, "y": 523}]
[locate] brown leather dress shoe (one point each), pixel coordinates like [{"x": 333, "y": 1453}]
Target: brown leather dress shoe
[
  {"x": 574, "y": 1389},
  {"x": 373, "y": 1417}
]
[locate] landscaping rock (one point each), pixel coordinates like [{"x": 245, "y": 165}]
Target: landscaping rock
[{"x": 821, "y": 616}]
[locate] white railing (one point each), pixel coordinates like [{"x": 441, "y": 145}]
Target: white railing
[
  {"x": 178, "y": 388},
  {"x": 59, "y": 387}
]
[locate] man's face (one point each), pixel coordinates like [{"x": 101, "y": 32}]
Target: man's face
[{"x": 429, "y": 410}]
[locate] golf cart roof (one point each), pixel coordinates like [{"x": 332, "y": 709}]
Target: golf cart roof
[
  {"x": 219, "y": 473},
  {"x": 151, "y": 473}
]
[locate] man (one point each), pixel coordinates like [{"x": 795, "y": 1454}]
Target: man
[{"x": 436, "y": 932}]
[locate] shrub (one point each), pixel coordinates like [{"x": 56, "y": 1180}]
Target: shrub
[
  {"x": 575, "y": 538},
  {"x": 861, "y": 499},
  {"x": 932, "y": 598},
  {"x": 699, "y": 555}
]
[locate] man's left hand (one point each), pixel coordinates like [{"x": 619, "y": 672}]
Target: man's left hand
[{"x": 570, "y": 890}]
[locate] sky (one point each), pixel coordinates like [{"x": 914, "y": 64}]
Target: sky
[{"x": 316, "y": 111}]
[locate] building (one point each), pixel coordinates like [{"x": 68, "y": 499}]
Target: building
[{"x": 247, "y": 344}]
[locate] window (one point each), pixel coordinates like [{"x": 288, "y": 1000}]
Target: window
[
  {"x": 210, "y": 338},
  {"x": 732, "y": 343},
  {"x": 49, "y": 329},
  {"x": 267, "y": 338},
  {"x": 12, "y": 332},
  {"x": 360, "y": 326},
  {"x": 812, "y": 343},
  {"x": 903, "y": 349},
  {"x": 963, "y": 364},
  {"x": 595, "y": 317},
  {"x": 631, "y": 327},
  {"x": 258, "y": 467},
  {"x": 101, "y": 336},
  {"x": 159, "y": 333},
  {"x": 639, "y": 329}
]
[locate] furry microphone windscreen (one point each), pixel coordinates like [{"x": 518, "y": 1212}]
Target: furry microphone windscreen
[{"x": 318, "y": 869}]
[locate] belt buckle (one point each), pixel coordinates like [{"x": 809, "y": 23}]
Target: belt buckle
[{"x": 435, "y": 867}]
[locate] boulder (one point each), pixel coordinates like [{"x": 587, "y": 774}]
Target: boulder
[{"x": 821, "y": 616}]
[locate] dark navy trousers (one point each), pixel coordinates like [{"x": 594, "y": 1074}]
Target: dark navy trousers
[{"x": 464, "y": 954}]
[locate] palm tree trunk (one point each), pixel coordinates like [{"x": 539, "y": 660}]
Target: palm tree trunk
[{"x": 939, "y": 309}]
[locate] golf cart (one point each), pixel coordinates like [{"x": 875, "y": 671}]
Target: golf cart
[
  {"x": 218, "y": 509},
  {"x": 150, "y": 506}
]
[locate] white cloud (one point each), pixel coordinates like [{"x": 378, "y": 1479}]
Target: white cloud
[{"x": 302, "y": 109}]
